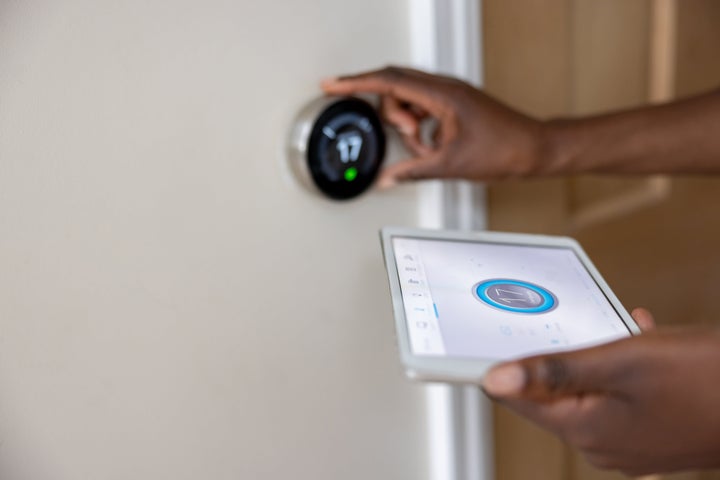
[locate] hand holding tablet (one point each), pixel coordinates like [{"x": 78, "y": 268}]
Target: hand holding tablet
[{"x": 465, "y": 301}]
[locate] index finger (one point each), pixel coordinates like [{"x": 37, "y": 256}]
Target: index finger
[{"x": 405, "y": 84}]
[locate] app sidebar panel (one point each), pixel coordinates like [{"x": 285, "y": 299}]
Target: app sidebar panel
[{"x": 420, "y": 309}]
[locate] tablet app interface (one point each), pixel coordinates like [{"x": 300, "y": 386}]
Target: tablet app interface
[{"x": 496, "y": 301}]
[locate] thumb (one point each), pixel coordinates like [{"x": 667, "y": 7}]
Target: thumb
[
  {"x": 419, "y": 168},
  {"x": 547, "y": 377},
  {"x": 644, "y": 319}
]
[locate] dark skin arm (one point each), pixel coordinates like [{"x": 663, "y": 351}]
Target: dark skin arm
[
  {"x": 647, "y": 404},
  {"x": 479, "y": 138}
]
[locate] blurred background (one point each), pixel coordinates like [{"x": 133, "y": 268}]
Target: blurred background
[{"x": 654, "y": 239}]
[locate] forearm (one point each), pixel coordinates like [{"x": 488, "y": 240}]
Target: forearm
[{"x": 679, "y": 137}]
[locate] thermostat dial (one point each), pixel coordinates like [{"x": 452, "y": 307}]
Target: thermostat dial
[{"x": 337, "y": 146}]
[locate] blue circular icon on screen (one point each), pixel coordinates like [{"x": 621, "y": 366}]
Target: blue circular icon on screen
[{"x": 515, "y": 296}]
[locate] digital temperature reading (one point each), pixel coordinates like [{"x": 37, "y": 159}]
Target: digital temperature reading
[{"x": 348, "y": 145}]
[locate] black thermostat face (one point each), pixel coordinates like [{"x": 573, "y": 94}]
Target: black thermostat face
[{"x": 346, "y": 148}]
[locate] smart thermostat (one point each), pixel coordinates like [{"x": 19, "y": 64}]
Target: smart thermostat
[{"x": 337, "y": 146}]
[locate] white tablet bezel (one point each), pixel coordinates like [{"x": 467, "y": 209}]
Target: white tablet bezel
[{"x": 462, "y": 370}]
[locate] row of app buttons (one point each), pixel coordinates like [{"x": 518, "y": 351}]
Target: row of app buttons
[{"x": 420, "y": 311}]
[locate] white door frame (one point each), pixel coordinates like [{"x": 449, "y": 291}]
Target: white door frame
[{"x": 446, "y": 38}]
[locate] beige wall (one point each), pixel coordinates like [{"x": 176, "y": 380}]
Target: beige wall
[{"x": 173, "y": 305}]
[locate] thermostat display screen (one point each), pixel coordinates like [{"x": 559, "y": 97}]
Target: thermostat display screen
[
  {"x": 348, "y": 144},
  {"x": 346, "y": 148}
]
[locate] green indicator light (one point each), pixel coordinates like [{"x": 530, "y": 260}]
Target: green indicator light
[{"x": 351, "y": 174}]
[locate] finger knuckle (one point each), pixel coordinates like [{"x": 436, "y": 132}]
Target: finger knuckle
[
  {"x": 555, "y": 374},
  {"x": 465, "y": 91},
  {"x": 392, "y": 72}
]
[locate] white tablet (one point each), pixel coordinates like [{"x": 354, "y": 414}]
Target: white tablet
[{"x": 463, "y": 301}]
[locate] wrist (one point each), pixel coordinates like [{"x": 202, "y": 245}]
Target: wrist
[
  {"x": 551, "y": 149},
  {"x": 528, "y": 153}
]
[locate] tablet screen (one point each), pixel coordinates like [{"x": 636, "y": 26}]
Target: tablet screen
[{"x": 498, "y": 301}]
